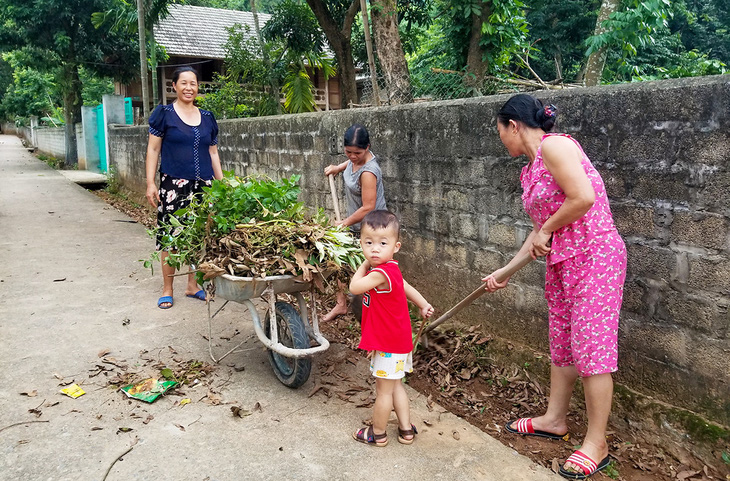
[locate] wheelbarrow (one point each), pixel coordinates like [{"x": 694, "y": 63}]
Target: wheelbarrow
[{"x": 285, "y": 332}]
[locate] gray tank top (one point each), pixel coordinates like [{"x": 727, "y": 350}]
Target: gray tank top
[{"x": 353, "y": 192}]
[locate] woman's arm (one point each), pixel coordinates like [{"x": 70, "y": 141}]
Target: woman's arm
[
  {"x": 215, "y": 161},
  {"x": 362, "y": 281},
  {"x": 415, "y": 297},
  {"x": 154, "y": 145},
  {"x": 369, "y": 193},
  {"x": 562, "y": 159},
  {"x": 335, "y": 169},
  {"x": 491, "y": 279}
]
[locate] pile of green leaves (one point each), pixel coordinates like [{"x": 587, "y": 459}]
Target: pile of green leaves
[{"x": 255, "y": 227}]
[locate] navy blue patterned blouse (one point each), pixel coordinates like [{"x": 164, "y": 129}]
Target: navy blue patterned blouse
[{"x": 185, "y": 148}]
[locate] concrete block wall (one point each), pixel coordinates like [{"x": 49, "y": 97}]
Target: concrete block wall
[
  {"x": 81, "y": 147},
  {"x": 52, "y": 141},
  {"x": 9, "y": 128},
  {"x": 663, "y": 149}
]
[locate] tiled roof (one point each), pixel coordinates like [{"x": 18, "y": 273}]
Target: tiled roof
[{"x": 191, "y": 31}]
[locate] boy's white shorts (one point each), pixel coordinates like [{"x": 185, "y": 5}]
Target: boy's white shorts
[{"x": 391, "y": 366}]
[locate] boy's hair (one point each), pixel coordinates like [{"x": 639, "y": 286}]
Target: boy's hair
[{"x": 382, "y": 219}]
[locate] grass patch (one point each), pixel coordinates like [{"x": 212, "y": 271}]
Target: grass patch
[{"x": 52, "y": 162}]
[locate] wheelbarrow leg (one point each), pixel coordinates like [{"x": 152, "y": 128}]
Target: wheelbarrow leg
[
  {"x": 252, "y": 310},
  {"x": 270, "y": 297}
]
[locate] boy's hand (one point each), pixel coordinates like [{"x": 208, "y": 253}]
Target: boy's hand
[{"x": 427, "y": 310}]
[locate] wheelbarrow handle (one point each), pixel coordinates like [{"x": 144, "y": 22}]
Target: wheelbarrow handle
[{"x": 522, "y": 261}]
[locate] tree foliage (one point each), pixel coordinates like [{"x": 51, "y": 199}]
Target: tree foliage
[
  {"x": 648, "y": 40},
  {"x": 503, "y": 29},
  {"x": 295, "y": 44},
  {"x": 31, "y": 92},
  {"x": 121, "y": 15},
  {"x": 634, "y": 27},
  {"x": 336, "y": 19},
  {"x": 265, "y": 6},
  {"x": 703, "y": 26},
  {"x": 557, "y": 31},
  {"x": 63, "y": 30}
]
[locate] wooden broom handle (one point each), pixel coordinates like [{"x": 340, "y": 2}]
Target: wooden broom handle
[
  {"x": 522, "y": 261},
  {"x": 335, "y": 201}
]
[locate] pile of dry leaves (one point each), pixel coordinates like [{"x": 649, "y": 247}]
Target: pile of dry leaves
[{"x": 258, "y": 249}]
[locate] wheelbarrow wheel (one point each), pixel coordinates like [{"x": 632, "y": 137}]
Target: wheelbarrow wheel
[{"x": 292, "y": 372}]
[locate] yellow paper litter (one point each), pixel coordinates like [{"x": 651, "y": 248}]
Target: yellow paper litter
[
  {"x": 74, "y": 391},
  {"x": 184, "y": 402}
]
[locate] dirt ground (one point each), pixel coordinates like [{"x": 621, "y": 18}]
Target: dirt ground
[{"x": 455, "y": 373}]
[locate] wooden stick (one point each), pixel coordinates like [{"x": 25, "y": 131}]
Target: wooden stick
[
  {"x": 20, "y": 424},
  {"x": 336, "y": 203},
  {"x": 418, "y": 334},
  {"x": 522, "y": 261},
  {"x": 115, "y": 461}
]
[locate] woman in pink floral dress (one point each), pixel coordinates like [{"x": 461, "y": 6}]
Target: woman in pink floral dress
[{"x": 585, "y": 260}]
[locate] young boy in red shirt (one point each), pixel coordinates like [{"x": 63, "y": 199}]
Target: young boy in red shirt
[{"x": 386, "y": 325}]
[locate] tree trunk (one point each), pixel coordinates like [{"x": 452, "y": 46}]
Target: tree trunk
[
  {"x": 71, "y": 110},
  {"x": 339, "y": 39},
  {"x": 273, "y": 82},
  {"x": 476, "y": 66},
  {"x": 390, "y": 51},
  {"x": 369, "y": 48},
  {"x": 597, "y": 60},
  {"x": 143, "y": 59},
  {"x": 153, "y": 61}
]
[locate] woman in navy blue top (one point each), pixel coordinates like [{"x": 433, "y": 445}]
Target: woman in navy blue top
[{"x": 185, "y": 138}]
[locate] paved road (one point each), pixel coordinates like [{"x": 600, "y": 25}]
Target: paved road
[{"x": 72, "y": 289}]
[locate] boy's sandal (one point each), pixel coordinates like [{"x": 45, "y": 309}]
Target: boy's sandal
[
  {"x": 367, "y": 436},
  {"x": 586, "y": 464},
  {"x": 402, "y": 433}
]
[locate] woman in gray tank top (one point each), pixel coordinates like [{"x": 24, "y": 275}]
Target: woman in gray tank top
[{"x": 364, "y": 191}]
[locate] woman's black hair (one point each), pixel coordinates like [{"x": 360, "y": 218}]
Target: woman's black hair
[
  {"x": 184, "y": 68},
  {"x": 357, "y": 136},
  {"x": 528, "y": 110}
]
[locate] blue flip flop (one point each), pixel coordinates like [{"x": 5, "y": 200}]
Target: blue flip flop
[
  {"x": 198, "y": 295},
  {"x": 163, "y": 300}
]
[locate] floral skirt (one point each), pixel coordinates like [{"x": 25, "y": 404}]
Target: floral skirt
[{"x": 175, "y": 194}]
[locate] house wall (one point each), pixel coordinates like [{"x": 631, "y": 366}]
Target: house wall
[{"x": 663, "y": 149}]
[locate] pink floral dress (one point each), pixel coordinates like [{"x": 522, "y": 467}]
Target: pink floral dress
[{"x": 586, "y": 269}]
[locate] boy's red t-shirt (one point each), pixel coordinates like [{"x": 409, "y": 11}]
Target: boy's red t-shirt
[{"x": 386, "y": 323}]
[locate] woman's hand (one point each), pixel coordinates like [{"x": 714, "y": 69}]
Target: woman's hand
[
  {"x": 491, "y": 281},
  {"x": 332, "y": 170},
  {"x": 153, "y": 195},
  {"x": 540, "y": 244}
]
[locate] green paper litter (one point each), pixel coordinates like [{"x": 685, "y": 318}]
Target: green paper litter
[{"x": 148, "y": 390}]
